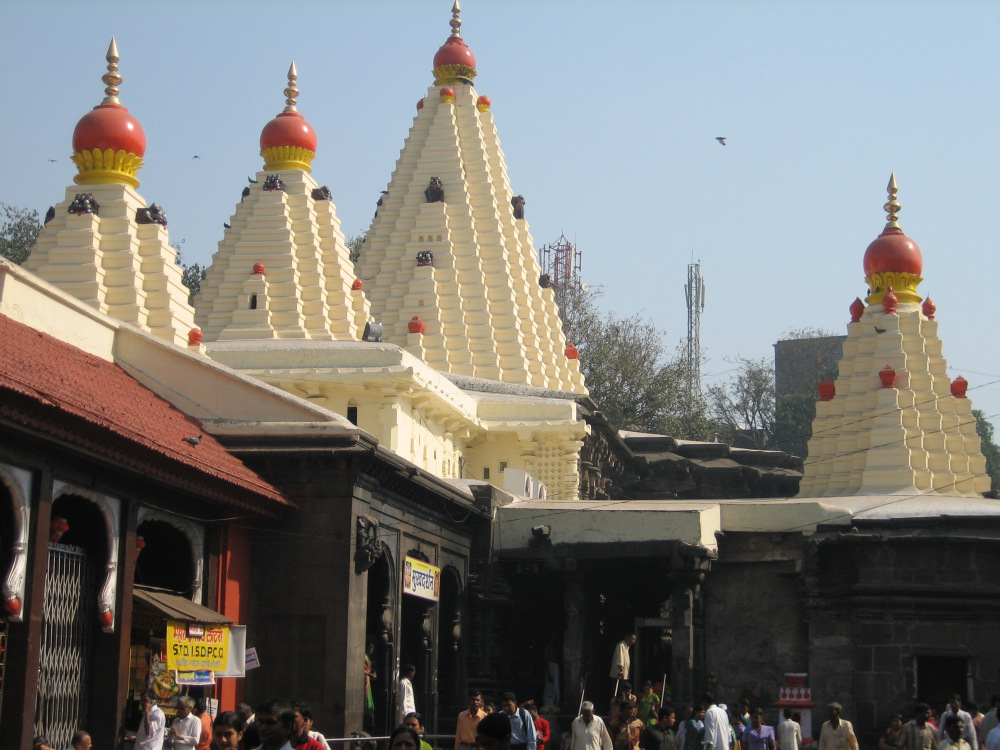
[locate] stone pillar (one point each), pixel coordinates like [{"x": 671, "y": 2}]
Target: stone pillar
[{"x": 573, "y": 643}]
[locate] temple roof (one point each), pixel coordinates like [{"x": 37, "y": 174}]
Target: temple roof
[
  {"x": 449, "y": 264},
  {"x": 895, "y": 423},
  {"x": 63, "y": 393}
]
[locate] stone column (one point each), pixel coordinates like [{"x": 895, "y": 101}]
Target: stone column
[{"x": 573, "y": 643}]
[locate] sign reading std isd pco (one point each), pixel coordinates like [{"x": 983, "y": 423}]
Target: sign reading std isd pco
[
  {"x": 189, "y": 652},
  {"x": 421, "y": 579}
]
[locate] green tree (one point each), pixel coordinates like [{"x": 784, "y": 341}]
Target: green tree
[
  {"x": 18, "y": 232},
  {"x": 629, "y": 374},
  {"x": 354, "y": 243},
  {"x": 744, "y": 405},
  {"x": 990, "y": 450},
  {"x": 192, "y": 275}
]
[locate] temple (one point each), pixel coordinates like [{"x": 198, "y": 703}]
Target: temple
[{"x": 387, "y": 454}]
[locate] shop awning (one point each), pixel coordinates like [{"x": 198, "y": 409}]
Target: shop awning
[{"x": 178, "y": 608}]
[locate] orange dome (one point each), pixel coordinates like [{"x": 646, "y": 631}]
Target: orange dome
[
  {"x": 109, "y": 126},
  {"x": 455, "y": 52},
  {"x": 893, "y": 251},
  {"x": 288, "y": 129}
]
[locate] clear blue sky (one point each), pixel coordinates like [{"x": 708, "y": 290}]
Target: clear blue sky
[{"x": 607, "y": 112}]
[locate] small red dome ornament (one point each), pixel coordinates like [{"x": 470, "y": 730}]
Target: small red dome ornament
[
  {"x": 195, "y": 337},
  {"x": 889, "y": 302},
  {"x": 893, "y": 259},
  {"x": 357, "y": 285},
  {"x": 888, "y": 376},
  {"x": 259, "y": 270},
  {"x": 107, "y": 619},
  {"x": 483, "y": 103},
  {"x": 857, "y": 309},
  {"x": 929, "y": 308},
  {"x": 108, "y": 142},
  {"x": 12, "y": 606},
  {"x": 448, "y": 94},
  {"x": 416, "y": 325},
  {"x": 827, "y": 389},
  {"x": 420, "y": 105},
  {"x": 288, "y": 141},
  {"x": 959, "y": 386},
  {"x": 140, "y": 545},
  {"x": 454, "y": 62},
  {"x": 572, "y": 352}
]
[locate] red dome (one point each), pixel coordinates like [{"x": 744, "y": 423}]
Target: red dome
[
  {"x": 288, "y": 129},
  {"x": 109, "y": 126},
  {"x": 893, "y": 251},
  {"x": 455, "y": 52}
]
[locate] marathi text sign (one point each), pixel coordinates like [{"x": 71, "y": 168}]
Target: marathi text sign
[
  {"x": 206, "y": 652},
  {"x": 421, "y": 579}
]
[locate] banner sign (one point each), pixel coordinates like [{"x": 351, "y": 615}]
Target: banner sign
[
  {"x": 421, "y": 579},
  {"x": 237, "y": 653},
  {"x": 199, "y": 677},
  {"x": 188, "y": 654}
]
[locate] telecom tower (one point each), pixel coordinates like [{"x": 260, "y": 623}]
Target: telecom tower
[
  {"x": 694, "y": 290},
  {"x": 562, "y": 262}
]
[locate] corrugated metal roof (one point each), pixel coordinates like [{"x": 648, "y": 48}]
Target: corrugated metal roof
[{"x": 177, "y": 607}]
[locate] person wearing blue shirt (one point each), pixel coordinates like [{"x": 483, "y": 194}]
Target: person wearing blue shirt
[{"x": 523, "y": 735}]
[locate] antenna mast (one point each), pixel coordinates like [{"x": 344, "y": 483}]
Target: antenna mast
[
  {"x": 694, "y": 291},
  {"x": 562, "y": 262}
]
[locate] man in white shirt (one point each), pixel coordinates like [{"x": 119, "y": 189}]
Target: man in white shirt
[
  {"x": 955, "y": 709},
  {"x": 407, "y": 704},
  {"x": 954, "y": 740},
  {"x": 186, "y": 728},
  {"x": 717, "y": 734},
  {"x": 789, "y": 733},
  {"x": 150, "y": 733},
  {"x": 588, "y": 732}
]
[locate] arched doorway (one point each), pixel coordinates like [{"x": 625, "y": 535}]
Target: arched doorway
[
  {"x": 417, "y": 641},
  {"x": 166, "y": 559},
  {"x": 77, "y": 547},
  {"x": 379, "y": 632}
]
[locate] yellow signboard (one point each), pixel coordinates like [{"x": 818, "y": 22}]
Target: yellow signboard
[
  {"x": 191, "y": 649},
  {"x": 421, "y": 579}
]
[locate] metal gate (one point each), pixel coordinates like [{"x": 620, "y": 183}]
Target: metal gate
[{"x": 70, "y": 617}]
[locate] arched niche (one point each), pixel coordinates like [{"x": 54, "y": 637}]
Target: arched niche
[
  {"x": 14, "y": 518},
  {"x": 181, "y": 569},
  {"x": 97, "y": 532}
]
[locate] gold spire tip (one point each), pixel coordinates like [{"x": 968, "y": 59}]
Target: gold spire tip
[
  {"x": 456, "y": 22},
  {"x": 291, "y": 93},
  {"x": 112, "y": 79},
  {"x": 892, "y": 206}
]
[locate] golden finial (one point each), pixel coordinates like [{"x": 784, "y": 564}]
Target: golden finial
[
  {"x": 892, "y": 206},
  {"x": 291, "y": 92},
  {"x": 112, "y": 78},
  {"x": 456, "y": 22}
]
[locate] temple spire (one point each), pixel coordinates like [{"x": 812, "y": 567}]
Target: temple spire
[
  {"x": 892, "y": 206},
  {"x": 112, "y": 78},
  {"x": 291, "y": 93},
  {"x": 456, "y": 22}
]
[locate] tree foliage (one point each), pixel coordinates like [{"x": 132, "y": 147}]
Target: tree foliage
[
  {"x": 18, "y": 232},
  {"x": 744, "y": 406},
  {"x": 192, "y": 275},
  {"x": 990, "y": 450},
  {"x": 354, "y": 243},
  {"x": 628, "y": 371}
]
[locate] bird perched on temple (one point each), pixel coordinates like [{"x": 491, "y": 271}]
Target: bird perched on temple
[{"x": 192, "y": 440}]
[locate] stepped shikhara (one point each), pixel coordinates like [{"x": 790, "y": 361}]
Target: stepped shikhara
[
  {"x": 104, "y": 245},
  {"x": 283, "y": 270},
  {"x": 894, "y": 422},
  {"x": 448, "y": 246}
]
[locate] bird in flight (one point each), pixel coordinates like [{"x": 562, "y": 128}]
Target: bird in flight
[
  {"x": 196, "y": 156},
  {"x": 721, "y": 140},
  {"x": 53, "y": 160}
]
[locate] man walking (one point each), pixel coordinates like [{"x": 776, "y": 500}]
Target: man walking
[
  {"x": 465, "y": 729},
  {"x": 789, "y": 732},
  {"x": 523, "y": 735},
  {"x": 919, "y": 734},
  {"x": 717, "y": 734},
  {"x": 660, "y": 736},
  {"x": 837, "y": 733},
  {"x": 185, "y": 732},
  {"x": 588, "y": 732},
  {"x": 621, "y": 662},
  {"x": 954, "y": 740},
  {"x": 151, "y": 725},
  {"x": 955, "y": 709}
]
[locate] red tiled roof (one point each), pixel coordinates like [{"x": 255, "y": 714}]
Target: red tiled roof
[{"x": 57, "y": 389}]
